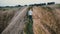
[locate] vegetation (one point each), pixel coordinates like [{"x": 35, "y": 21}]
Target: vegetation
[
  {"x": 29, "y": 29},
  {"x": 58, "y": 5}
]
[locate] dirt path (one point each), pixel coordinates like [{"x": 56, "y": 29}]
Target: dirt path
[{"x": 17, "y": 23}]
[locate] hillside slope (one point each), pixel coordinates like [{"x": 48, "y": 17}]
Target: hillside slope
[
  {"x": 45, "y": 20},
  {"x": 17, "y": 23}
]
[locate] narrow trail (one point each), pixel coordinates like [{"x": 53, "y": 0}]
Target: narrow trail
[{"x": 17, "y": 23}]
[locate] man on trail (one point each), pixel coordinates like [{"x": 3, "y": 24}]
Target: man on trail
[
  {"x": 30, "y": 14},
  {"x": 29, "y": 26}
]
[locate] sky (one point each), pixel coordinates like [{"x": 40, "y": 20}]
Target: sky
[{"x": 23, "y": 2}]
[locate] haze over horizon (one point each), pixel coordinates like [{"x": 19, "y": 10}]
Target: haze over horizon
[{"x": 24, "y": 2}]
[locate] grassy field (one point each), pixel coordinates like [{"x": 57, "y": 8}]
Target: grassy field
[
  {"x": 6, "y": 15},
  {"x": 49, "y": 16}
]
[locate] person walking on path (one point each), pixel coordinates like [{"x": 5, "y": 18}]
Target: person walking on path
[
  {"x": 30, "y": 14},
  {"x": 29, "y": 26}
]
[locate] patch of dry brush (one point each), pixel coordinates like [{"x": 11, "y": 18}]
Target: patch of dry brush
[{"x": 44, "y": 20}]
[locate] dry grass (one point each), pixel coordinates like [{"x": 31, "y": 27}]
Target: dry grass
[
  {"x": 6, "y": 15},
  {"x": 44, "y": 17},
  {"x": 45, "y": 20}
]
